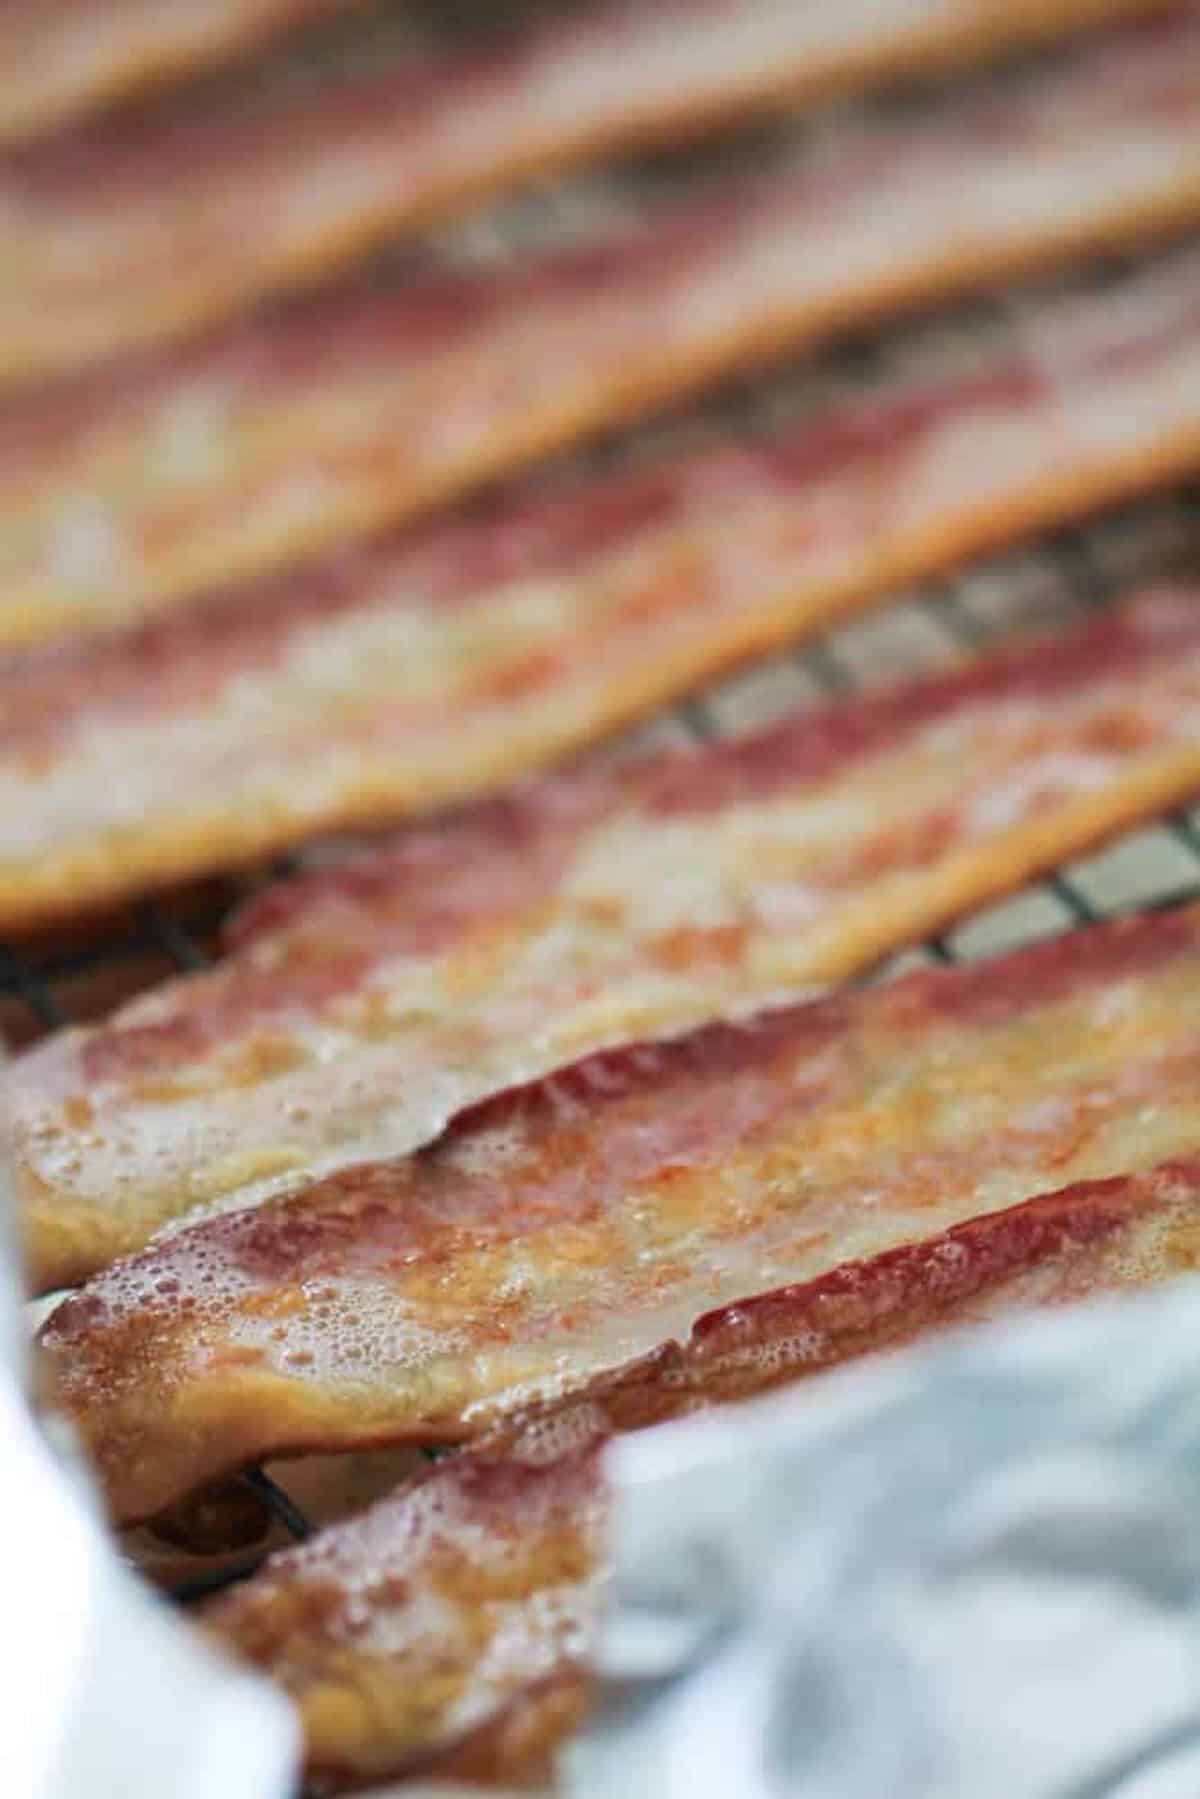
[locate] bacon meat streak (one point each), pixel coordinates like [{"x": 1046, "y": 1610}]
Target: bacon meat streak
[
  {"x": 365, "y": 1006},
  {"x": 449, "y": 1628},
  {"x": 140, "y": 229},
  {"x": 640, "y": 1216},
  {"x": 439, "y": 663},
  {"x": 125, "y": 492}
]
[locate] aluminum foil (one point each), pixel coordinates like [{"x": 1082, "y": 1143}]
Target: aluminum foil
[
  {"x": 972, "y": 1569},
  {"x": 106, "y": 1693}
]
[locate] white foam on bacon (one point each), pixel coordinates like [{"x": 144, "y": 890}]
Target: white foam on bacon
[{"x": 347, "y": 1331}]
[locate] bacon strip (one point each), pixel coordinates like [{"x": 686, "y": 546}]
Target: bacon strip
[
  {"x": 429, "y": 1633},
  {"x": 367, "y": 1005},
  {"x": 65, "y": 59},
  {"x": 128, "y": 491},
  {"x": 437, "y": 664},
  {"x": 565, "y": 1232},
  {"x": 420, "y": 1622},
  {"x": 136, "y": 231}
]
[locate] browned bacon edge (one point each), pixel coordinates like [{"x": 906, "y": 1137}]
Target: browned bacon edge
[{"x": 855, "y": 1309}]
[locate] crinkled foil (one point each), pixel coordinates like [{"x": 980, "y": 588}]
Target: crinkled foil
[
  {"x": 968, "y": 1571},
  {"x": 106, "y": 1694}
]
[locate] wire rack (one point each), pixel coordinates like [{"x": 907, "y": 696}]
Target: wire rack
[{"x": 79, "y": 977}]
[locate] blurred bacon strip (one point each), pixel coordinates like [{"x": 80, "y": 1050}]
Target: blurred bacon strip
[
  {"x": 141, "y": 229},
  {"x": 128, "y": 491},
  {"x": 438, "y": 663}
]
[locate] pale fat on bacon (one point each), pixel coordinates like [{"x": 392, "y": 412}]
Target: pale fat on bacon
[
  {"x": 131, "y": 490},
  {"x": 141, "y": 229},
  {"x": 437, "y": 664},
  {"x": 638, "y": 1217},
  {"x": 364, "y": 1007},
  {"x": 450, "y": 1628}
]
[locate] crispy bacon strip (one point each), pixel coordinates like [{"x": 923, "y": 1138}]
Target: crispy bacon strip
[
  {"x": 365, "y": 1006},
  {"x": 443, "y": 661},
  {"x": 65, "y": 59},
  {"x": 136, "y": 231},
  {"x": 423, "y": 1621},
  {"x": 431, "y": 1632},
  {"x": 126, "y": 492},
  {"x": 565, "y": 1232}
]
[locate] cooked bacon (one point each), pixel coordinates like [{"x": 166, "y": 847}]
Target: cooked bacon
[
  {"x": 584, "y": 1227},
  {"x": 437, "y": 664},
  {"x": 367, "y": 1004},
  {"x": 62, "y": 60},
  {"x": 126, "y": 492},
  {"x": 420, "y": 1622},
  {"x": 136, "y": 231},
  {"x": 413, "y": 1636}
]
